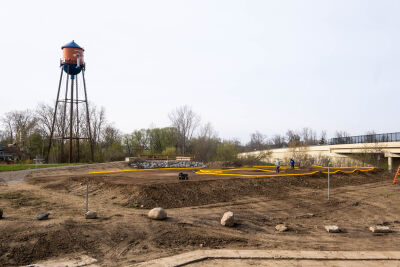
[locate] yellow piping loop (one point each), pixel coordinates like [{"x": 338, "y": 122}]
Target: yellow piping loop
[
  {"x": 220, "y": 171},
  {"x": 353, "y": 171},
  {"x": 357, "y": 167},
  {"x": 282, "y": 167},
  {"x": 249, "y": 169},
  {"x": 139, "y": 170}
]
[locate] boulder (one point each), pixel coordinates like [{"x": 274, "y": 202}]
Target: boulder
[
  {"x": 91, "y": 214},
  {"x": 157, "y": 214},
  {"x": 281, "y": 228},
  {"x": 42, "y": 216},
  {"x": 1, "y": 213},
  {"x": 380, "y": 229},
  {"x": 228, "y": 219},
  {"x": 332, "y": 229}
]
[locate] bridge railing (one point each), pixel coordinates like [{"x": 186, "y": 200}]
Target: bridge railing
[{"x": 368, "y": 138}]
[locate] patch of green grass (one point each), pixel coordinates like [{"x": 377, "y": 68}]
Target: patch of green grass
[{"x": 19, "y": 167}]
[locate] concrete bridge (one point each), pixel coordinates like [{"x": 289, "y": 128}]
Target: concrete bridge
[{"x": 339, "y": 154}]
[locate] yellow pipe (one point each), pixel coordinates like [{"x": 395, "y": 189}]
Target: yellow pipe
[
  {"x": 220, "y": 171},
  {"x": 139, "y": 170}
]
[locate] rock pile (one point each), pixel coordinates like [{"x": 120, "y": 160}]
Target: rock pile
[{"x": 152, "y": 164}]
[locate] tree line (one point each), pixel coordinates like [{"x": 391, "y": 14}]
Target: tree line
[{"x": 29, "y": 131}]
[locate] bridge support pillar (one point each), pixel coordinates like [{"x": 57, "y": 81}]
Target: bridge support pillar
[{"x": 390, "y": 163}]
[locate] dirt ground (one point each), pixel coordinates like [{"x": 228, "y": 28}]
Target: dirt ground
[{"x": 123, "y": 234}]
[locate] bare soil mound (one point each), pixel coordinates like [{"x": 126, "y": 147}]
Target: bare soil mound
[
  {"x": 153, "y": 189},
  {"x": 196, "y": 193}
]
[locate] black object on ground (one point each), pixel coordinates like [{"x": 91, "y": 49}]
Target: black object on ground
[{"x": 183, "y": 176}]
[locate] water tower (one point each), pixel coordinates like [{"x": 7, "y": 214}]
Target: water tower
[{"x": 69, "y": 131}]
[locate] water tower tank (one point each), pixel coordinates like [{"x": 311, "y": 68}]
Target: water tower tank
[{"x": 73, "y": 58}]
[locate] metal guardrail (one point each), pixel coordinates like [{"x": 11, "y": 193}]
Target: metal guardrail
[{"x": 369, "y": 138}]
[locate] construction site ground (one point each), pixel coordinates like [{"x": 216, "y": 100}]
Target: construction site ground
[{"x": 123, "y": 235}]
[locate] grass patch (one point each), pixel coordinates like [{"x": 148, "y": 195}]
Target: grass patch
[{"x": 20, "y": 167}]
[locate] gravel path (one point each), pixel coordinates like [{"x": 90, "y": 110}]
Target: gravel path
[{"x": 15, "y": 177}]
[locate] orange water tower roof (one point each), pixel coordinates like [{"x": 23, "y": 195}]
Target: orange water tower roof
[{"x": 72, "y": 44}]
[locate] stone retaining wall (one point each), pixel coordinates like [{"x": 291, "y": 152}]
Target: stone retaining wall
[{"x": 153, "y": 164}]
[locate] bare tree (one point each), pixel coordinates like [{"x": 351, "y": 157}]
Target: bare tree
[
  {"x": 207, "y": 131},
  {"x": 44, "y": 114},
  {"x": 341, "y": 134},
  {"x": 185, "y": 121},
  {"x": 258, "y": 141},
  {"x": 20, "y": 124},
  {"x": 98, "y": 121},
  {"x": 278, "y": 141},
  {"x": 205, "y": 145},
  {"x": 370, "y": 136},
  {"x": 293, "y": 138},
  {"x": 341, "y": 137},
  {"x": 309, "y": 136},
  {"x": 7, "y": 121},
  {"x": 4, "y": 138},
  {"x": 111, "y": 135}
]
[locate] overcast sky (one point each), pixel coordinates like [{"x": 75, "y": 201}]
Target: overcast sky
[{"x": 241, "y": 65}]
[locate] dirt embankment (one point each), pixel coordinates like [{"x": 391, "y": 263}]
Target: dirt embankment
[
  {"x": 185, "y": 194},
  {"x": 177, "y": 194}
]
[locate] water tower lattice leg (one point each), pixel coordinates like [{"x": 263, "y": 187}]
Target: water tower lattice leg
[
  {"x": 64, "y": 117},
  {"x": 77, "y": 121},
  {"x": 54, "y": 116},
  {"x": 71, "y": 116},
  {"x": 67, "y": 132},
  {"x": 87, "y": 116}
]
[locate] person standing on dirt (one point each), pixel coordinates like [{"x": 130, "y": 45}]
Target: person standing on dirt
[
  {"x": 278, "y": 165},
  {"x": 292, "y": 163}
]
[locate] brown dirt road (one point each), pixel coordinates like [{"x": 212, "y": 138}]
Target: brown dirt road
[{"x": 123, "y": 235}]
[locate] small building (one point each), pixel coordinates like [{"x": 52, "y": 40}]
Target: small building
[{"x": 9, "y": 153}]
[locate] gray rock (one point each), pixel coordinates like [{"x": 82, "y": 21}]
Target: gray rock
[
  {"x": 355, "y": 203},
  {"x": 332, "y": 229},
  {"x": 91, "y": 214},
  {"x": 1, "y": 213},
  {"x": 157, "y": 214},
  {"x": 380, "y": 229},
  {"x": 228, "y": 219},
  {"x": 42, "y": 216},
  {"x": 281, "y": 228}
]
